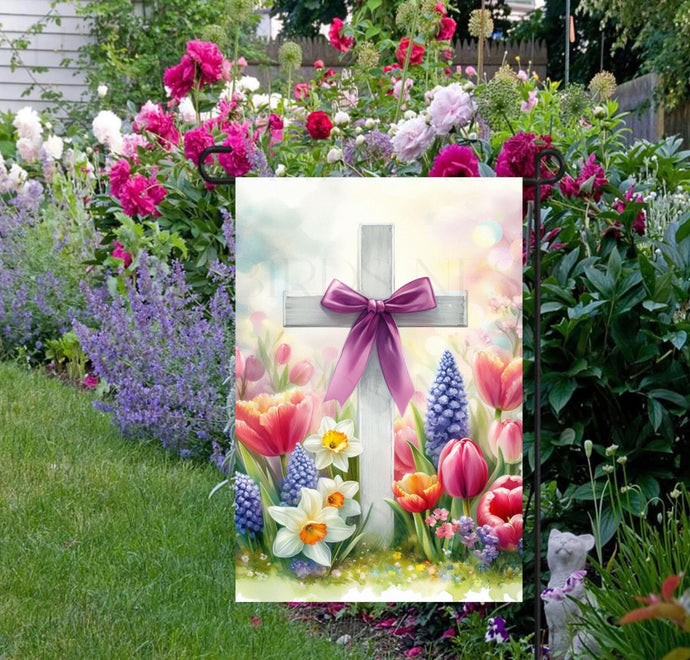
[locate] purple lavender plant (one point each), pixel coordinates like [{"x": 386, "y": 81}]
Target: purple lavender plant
[
  {"x": 164, "y": 354},
  {"x": 301, "y": 473},
  {"x": 447, "y": 412},
  {"x": 248, "y": 516},
  {"x": 490, "y": 541}
]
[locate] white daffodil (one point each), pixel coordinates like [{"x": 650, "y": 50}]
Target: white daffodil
[
  {"x": 334, "y": 443},
  {"x": 308, "y": 528},
  {"x": 338, "y": 494}
]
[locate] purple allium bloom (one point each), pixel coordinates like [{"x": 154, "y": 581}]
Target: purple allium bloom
[
  {"x": 248, "y": 516},
  {"x": 496, "y": 630},
  {"x": 447, "y": 412},
  {"x": 301, "y": 473},
  {"x": 305, "y": 567},
  {"x": 376, "y": 146}
]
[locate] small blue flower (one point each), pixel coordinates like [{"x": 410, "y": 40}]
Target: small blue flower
[
  {"x": 447, "y": 412},
  {"x": 301, "y": 473},
  {"x": 248, "y": 517}
]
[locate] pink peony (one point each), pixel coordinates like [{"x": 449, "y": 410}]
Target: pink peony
[
  {"x": 301, "y": 91},
  {"x": 140, "y": 195},
  {"x": 131, "y": 143},
  {"x": 195, "y": 141},
  {"x": 119, "y": 175},
  {"x": 209, "y": 61},
  {"x": 455, "y": 160},
  {"x": 180, "y": 78},
  {"x": 154, "y": 119},
  {"x": 338, "y": 40},
  {"x": 318, "y": 64},
  {"x": 412, "y": 138},
  {"x": 237, "y": 163},
  {"x": 451, "y": 107},
  {"x": 589, "y": 183},
  {"x": 119, "y": 252},
  {"x": 531, "y": 102}
]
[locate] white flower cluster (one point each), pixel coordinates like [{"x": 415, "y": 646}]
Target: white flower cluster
[
  {"x": 106, "y": 127},
  {"x": 13, "y": 180},
  {"x": 29, "y": 129}
]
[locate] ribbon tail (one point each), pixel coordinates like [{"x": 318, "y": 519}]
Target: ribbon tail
[
  {"x": 353, "y": 358},
  {"x": 393, "y": 364}
]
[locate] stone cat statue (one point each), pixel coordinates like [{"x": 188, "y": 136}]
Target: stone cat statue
[{"x": 566, "y": 557}]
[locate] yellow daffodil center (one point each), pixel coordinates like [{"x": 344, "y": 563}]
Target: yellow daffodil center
[
  {"x": 312, "y": 533},
  {"x": 335, "y": 500},
  {"x": 334, "y": 441}
]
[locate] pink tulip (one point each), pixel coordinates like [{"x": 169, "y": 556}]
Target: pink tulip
[
  {"x": 273, "y": 425},
  {"x": 498, "y": 379},
  {"x": 282, "y": 354},
  {"x": 501, "y": 508},
  {"x": 254, "y": 368},
  {"x": 506, "y": 436},
  {"x": 239, "y": 364},
  {"x": 301, "y": 373},
  {"x": 462, "y": 470},
  {"x": 404, "y": 462}
]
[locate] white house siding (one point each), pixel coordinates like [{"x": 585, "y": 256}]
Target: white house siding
[{"x": 47, "y": 49}]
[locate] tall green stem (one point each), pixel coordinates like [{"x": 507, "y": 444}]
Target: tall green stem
[
  {"x": 406, "y": 66},
  {"x": 234, "y": 64}
]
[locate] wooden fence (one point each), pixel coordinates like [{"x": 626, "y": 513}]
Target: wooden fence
[
  {"x": 647, "y": 119},
  {"x": 464, "y": 53}
]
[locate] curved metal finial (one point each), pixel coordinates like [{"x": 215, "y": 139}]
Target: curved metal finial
[
  {"x": 230, "y": 180},
  {"x": 539, "y": 158}
]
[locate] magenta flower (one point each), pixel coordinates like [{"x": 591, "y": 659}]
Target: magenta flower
[
  {"x": 639, "y": 225},
  {"x": 589, "y": 183},
  {"x": 91, "y": 381},
  {"x": 154, "y": 119},
  {"x": 203, "y": 63},
  {"x": 455, "y": 161},
  {"x": 141, "y": 195},
  {"x": 338, "y": 40},
  {"x": 462, "y": 469},
  {"x": 237, "y": 163},
  {"x": 119, "y": 252},
  {"x": 195, "y": 141},
  {"x": 119, "y": 175}
]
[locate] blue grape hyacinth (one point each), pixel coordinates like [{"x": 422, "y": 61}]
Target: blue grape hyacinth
[
  {"x": 301, "y": 473},
  {"x": 248, "y": 517},
  {"x": 447, "y": 412}
]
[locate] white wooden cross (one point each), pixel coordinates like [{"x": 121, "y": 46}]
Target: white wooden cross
[{"x": 375, "y": 412}]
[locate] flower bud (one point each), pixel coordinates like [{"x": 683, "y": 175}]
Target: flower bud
[
  {"x": 301, "y": 373},
  {"x": 102, "y": 91},
  {"x": 254, "y": 368},
  {"x": 611, "y": 450},
  {"x": 239, "y": 364},
  {"x": 334, "y": 155},
  {"x": 281, "y": 170},
  {"x": 360, "y": 140},
  {"x": 283, "y": 354},
  {"x": 369, "y": 123},
  {"x": 588, "y": 448},
  {"x": 341, "y": 118}
]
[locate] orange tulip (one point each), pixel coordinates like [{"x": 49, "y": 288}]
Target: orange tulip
[
  {"x": 499, "y": 380},
  {"x": 417, "y": 491},
  {"x": 273, "y": 425}
]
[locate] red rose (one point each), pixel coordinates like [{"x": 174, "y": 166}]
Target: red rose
[
  {"x": 319, "y": 125},
  {"x": 455, "y": 160},
  {"x": 446, "y": 30},
  {"x": 336, "y": 37},
  {"x": 415, "y": 56}
]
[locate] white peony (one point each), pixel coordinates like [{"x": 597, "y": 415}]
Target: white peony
[
  {"x": 29, "y": 149},
  {"x": 16, "y": 177},
  {"x": 248, "y": 84},
  {"x": 28, "y": 124},
  {"x": 102, "y": 91},
  {"x": 106, "y": 127},
  {"x": 334, "y": 155},
  {"x": 186, "y": 110},
  {"x": 53, "y": 147},
  {"x": 341, "y": 118}
]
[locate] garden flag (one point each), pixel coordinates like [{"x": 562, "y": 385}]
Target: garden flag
[{"x": 379, "y": 390}]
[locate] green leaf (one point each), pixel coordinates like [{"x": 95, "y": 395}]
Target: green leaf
[
  {"x": 256, "y": 472},
  {"x": 655, "y": 411},
  {"x": 270, "y": 528},
  {"x": 560, "y": 394},
  {"x": 421, "y": 462},
  {"x": 670, "y": 396},
  {"x": 419, "y": 426},
  {"x": 613, "y": 267},
  {"x": 601, "y": 282}
]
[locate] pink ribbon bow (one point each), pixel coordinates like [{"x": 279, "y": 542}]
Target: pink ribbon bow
[{"x": 375, "y": 325}]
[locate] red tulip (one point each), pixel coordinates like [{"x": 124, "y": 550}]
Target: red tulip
[
  {"x": 462, "y": 470},
  {"x": 254, "y": 369},
  {"x": 417, "y": 491},
  {"x": 283, "y": 354},
  {"x": 273, "y": 425},
  {"x": 499, "y": 380},
  {"x": 506, "y": 436},
  {"x": 501, "y": 508},
  {"x": 404, "y": 462},
  {"x": 301, "y": 373}
]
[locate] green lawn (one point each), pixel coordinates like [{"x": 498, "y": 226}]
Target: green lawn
[{"x": 112, "y": 549}]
